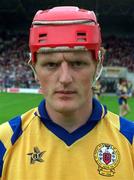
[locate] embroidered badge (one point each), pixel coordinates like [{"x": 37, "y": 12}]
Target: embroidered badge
[
  {"x": 36, "y": 156},
  {"x": 107, "y": 157}
]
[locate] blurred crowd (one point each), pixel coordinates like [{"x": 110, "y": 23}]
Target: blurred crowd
[
  {"x": 119, "y": 52},
  {"x": 14, "y": 69},
  {"x": 15, "y": 72}
]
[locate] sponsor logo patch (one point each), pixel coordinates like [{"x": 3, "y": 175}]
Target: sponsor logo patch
[{"x": 36, "y": 155}]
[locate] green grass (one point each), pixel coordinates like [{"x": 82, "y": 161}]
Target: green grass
[
  {"x": 12, "y": 105},
  {"x": 112, "y": 104}
]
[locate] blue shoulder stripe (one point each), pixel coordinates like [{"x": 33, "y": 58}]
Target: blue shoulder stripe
[
  {"x": 2, "y": 152},
  {"x": 15, "y": 124},
  {"x": 127, "y": 129}
]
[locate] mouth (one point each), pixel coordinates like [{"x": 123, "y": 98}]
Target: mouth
[{"x": 65, "y": 92}]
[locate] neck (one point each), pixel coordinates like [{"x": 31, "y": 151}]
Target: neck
[{"x": 71, "y": 120}]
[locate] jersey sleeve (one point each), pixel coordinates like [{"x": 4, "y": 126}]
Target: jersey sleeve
[
  {"x": 9, "y": 133},
  {"x": 5, "y": 142}
]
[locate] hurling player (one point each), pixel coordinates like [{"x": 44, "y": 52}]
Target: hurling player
[{"x": 70, "y": 135}]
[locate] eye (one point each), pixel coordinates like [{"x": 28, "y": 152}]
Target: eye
[
  {"x": 77, "y": 64},
  {"x": 51, "y": 65}
]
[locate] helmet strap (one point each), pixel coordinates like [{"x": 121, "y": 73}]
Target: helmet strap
[
  {"x": 32, "y": 67},
  {"x": 99, "y": 68}
]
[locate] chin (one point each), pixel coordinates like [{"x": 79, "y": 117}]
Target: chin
[
  {"x": 66, "y": 108},
  {"x": 65, "y": 111}
]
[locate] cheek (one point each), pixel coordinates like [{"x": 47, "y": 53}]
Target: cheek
[
  {"x": 87, "y": 78},
  {"x": 44, "y": 82},
  {"x": 47, "y": 82},
  {"x": 85, "y": 84},
  {"x": 42, "y": 78}
]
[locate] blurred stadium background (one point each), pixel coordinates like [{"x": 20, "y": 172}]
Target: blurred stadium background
[{"x": 16, "y": 79}]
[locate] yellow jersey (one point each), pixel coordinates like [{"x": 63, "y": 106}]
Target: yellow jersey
[{"x": 33, "y": 147}]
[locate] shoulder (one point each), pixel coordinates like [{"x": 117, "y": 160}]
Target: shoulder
[
  {"x": 16, "y": 125},
  {"x": 123, "y": 125},
  {"x": 12, "y": 130},
  {"x": 127, "y": 129}
]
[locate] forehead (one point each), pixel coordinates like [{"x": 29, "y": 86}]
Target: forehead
[{"x": 79, "y": 55}]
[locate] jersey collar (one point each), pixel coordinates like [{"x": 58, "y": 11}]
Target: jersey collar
[{"x": 98, "y": 113}]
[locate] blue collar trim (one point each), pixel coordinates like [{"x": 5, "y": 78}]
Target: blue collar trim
[{"x": 69, "y": 138}]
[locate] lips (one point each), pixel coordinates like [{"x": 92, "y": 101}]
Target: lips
[{"x": 65, "y": 92}]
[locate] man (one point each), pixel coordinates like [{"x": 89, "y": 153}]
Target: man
[
  {"x": 123, "y": 94},
  {"x": 70, "y": 135}
]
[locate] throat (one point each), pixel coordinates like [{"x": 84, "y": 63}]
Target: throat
[
  {"x": 71, "y": 125},
  {"x": 70, "y": 121}
]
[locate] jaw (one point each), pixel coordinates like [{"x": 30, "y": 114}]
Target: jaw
[{"x": 67, "y": 105}]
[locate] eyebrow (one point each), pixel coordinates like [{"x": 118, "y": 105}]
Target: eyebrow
[{"x": 70, "y": 57}]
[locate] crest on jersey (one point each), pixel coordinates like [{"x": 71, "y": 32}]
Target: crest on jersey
[
  {"x": 36, "y": 155},
  {"x": 107, "y": 158}
]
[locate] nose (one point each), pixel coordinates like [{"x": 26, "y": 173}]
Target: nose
[{"x": 65, "y": 74}]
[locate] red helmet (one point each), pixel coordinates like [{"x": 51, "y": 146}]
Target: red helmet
[{"x": 65, "y": 26}]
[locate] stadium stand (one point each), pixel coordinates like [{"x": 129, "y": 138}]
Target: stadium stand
[
  {"x": 14, "y": 70},
  {"x": 119, "y": 52}
]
